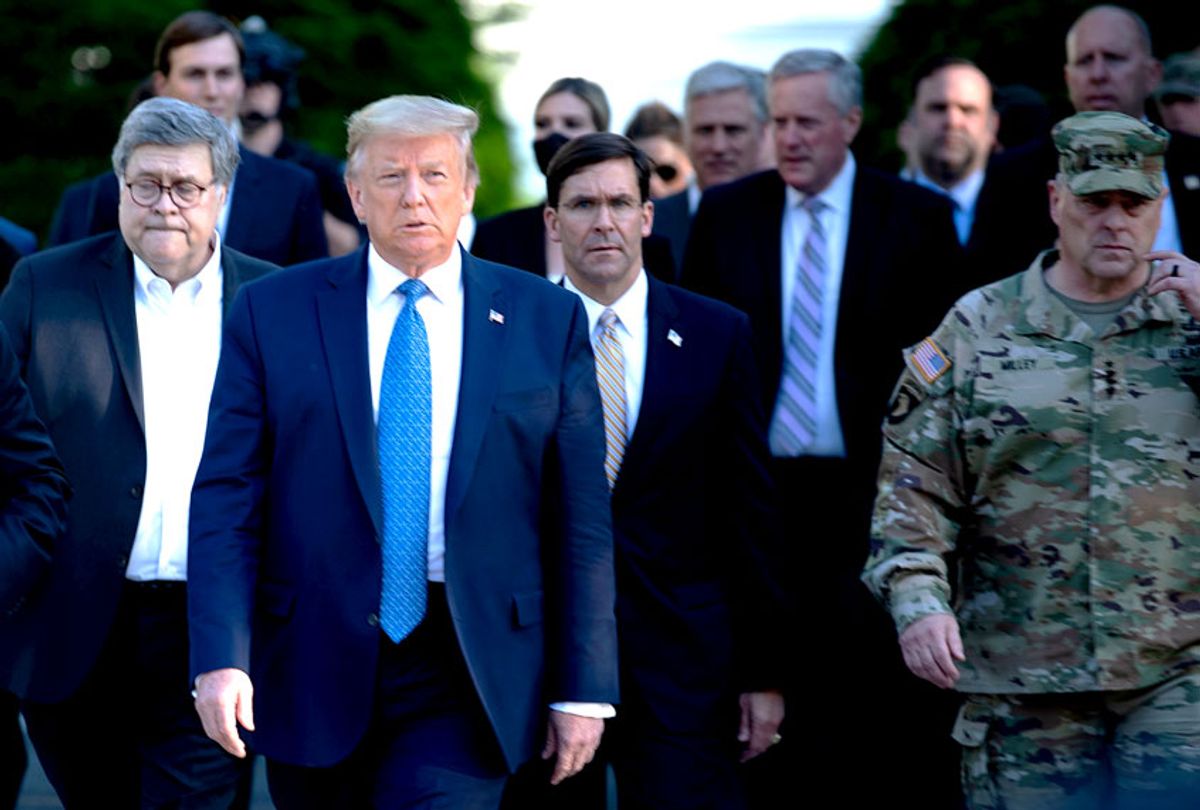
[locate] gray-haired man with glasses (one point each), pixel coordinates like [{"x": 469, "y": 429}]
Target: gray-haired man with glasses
[{"x": 118, "y": 338}]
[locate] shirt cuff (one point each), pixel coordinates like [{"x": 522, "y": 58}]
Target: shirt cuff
[{"x": 599, "y": 711}]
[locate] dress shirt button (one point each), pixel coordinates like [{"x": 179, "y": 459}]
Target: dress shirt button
[
  {"x": 373, "y": 619},
  {"x": 135, "y": 491}
]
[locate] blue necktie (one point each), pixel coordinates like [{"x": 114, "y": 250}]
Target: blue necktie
[{"x": 403, "y": 434}]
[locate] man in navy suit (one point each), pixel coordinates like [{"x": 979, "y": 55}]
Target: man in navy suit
[
  {"x": 117, "y": 338},
  {"x": 273, "y": 211},
  {"x": 839, "y": 268},
  {"x": 698, "y": 612},
  {"x": 403, "y": 544}
]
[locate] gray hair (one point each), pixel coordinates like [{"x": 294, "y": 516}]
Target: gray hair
[
  {"x": 845, "y": 79},
  {"x": 720, "y": 77},
  {"x": 415, "y": 117},
  {"x": 171, "y": 122}
]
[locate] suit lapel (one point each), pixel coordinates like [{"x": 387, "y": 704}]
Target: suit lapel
[
  {"x": 245, "y": 200},
  {"x": 483, "y": 347},
  {"x": 231, "y": 279},
  {"x": 114, "y": 288},
  {"x": 660, "y": 380},
  {"x": 342, "y": 315}
]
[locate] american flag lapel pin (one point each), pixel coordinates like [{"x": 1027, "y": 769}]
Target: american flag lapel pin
[
  {"x": 674, "y": 337},
  {"x": 496, "y": 317}
]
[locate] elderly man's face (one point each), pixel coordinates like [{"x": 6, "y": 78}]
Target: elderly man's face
[
  {"x": 1102, "y": 237},
  {"x": 175, "y": 242},
  {"x": 812, "y": 137},
  {"x": 206, "y": 73},
  {"x": 954, "y": 125},
  {"x": 411, "y": 192},
  {"x": 1107, "y": 66},
  {"x": 724, "y": 136},
  {"x": 601, "y": 220}
]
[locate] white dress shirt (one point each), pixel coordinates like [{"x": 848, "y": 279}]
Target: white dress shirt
[
  {"x": 632, "y": 326},
  {"x": 442, "y": 312},
  {"x": 835, "y": 217},
  {"x": 1168, "y": 225},
  {"x": 179, "y": 341},
  {"x": 964, "y": 194}
]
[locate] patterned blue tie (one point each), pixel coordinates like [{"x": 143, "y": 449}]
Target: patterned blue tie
[{"x": 405, "y": 394}]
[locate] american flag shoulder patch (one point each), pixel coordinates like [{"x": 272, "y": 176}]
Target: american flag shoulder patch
[{"x": 929, "y": 360}]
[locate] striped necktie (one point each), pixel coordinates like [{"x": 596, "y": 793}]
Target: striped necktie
[
  {"x": 610, "y": 376},
  {"x": 403, "y": 435},
  {"x": 794, "y": 423}
]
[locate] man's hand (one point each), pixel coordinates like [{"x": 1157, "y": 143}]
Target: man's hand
[
  {"x": 224, "y": 696},
  {"x": 931, "y": 645},
  {"x": 762, "y": 712},
  {"x": 574, "y": 739},
  {"x": 1179, "y": 273}
]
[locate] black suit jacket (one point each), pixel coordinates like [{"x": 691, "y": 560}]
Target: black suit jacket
[
  {"x": 673, "y": 221},
  {"x": 70, "y": 313},
  {"x": 695, "y": 524},
  {"x": 33, "y": 489},
  {"x": 518, "y": 239},
  {"x": 276, "y": 216},
  {"x": 1012, "y": 221}
]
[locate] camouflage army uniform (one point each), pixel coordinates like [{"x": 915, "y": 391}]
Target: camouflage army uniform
[{"x": 1058, "y": 474}]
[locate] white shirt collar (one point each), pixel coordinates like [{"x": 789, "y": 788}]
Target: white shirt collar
[
  {"x": 694, "y": 193},
  {"x": 837, "y": 194},
  {"x": 630, "y": 308},
  {"x": 963, "y": 193},
  {"x": 201, "y": 287},
  {"x": 443, "y": 281}
]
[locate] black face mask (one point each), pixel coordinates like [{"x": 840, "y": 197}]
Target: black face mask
[
  {"x": 545, "y": 149},
  {"x": 252, "y": 122}
]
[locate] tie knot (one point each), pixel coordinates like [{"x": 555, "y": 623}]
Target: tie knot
[
  {"x": 413, "y": 289},
  {"x": 608, "y": 319},
  {"x": 814, "y": 205}
]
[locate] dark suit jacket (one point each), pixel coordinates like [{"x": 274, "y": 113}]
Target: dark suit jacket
[
  {"x": 285, "y": 562},
  {"x": 698, "y": 610},
  {"x": 70, "y": 313},
  {"x": 901, "y": 274},
  {"x": 33, "y": 489},
  {"x": 1012, "y": 222},
  {"x": 276, "y": 214},
  {"x": 673, "y": 221},
  {"x": 518, "y": 239}
]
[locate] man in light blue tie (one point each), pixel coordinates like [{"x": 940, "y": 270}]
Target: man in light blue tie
[{"x": 403, "y": 548}]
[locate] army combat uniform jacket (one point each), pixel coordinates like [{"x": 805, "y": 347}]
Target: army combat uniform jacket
[{"x": 1055, "y": 475}]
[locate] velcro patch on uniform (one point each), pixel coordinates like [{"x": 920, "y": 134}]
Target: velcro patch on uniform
[{"x": 929, "y": 360}]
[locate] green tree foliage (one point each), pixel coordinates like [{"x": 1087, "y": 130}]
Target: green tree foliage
[
  {"x": 1019, "y": 42},
  {"x": 68, "y": 67}
]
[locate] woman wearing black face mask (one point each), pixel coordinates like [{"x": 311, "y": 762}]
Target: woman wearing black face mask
[{"x": 569, "y": 107}]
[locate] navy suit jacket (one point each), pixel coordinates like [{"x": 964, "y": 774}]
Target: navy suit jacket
[
  {"x": 698, "y": 609},
  {"x": 276, "y": 214},
  {"x": 70, "y": 314},
  {"x": 285, "y": 561},
  {"x": 673, "y": 221}
]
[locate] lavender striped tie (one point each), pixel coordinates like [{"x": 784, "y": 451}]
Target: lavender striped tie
[
  {"x": 610, "y": 375},
  {"x": 794, "y": 423}
]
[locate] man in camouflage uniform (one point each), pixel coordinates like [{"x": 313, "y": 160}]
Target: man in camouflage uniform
[{"x": 1044, "y": 446}]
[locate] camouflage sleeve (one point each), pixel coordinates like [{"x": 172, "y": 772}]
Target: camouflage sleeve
[{"x": 920, "y": 496}]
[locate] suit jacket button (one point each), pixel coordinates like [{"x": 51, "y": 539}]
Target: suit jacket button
[
  {"x": 373, "y": 619},
  {"x": 135, "y": 491}
]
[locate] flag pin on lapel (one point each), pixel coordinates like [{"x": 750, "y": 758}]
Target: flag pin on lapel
[
  {"x": 674, "y": 337},
  {"x": 1191, "y": 182},
  {"x": 495, "y": 317}
]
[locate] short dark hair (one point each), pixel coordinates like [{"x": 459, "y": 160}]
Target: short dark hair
[
  {"x": 588, "y": 150},
  {"x": 194, "y": 26},
  {"x": 590, "y": 93},
  {"x": 655, "y": 119},
  {"x": 937, "y": 63}
]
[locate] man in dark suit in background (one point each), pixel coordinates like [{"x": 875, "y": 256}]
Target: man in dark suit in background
[
  {"x": 402, "y": 530},
  {"x": 699, "y": 616},
  {"x": 1110, "y": 66},
  {"x": 118, "y": 338},
  {"x": 274, "y": 209},
  {"x": 839, "y": 267}
]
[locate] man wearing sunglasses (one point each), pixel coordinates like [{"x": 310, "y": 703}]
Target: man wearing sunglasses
[{"x": 118, "y": 337}]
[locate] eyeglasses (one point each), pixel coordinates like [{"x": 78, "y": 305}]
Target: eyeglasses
[
  {"x": 666, "y": 171},
  {"x": 185, "y": 194}
]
